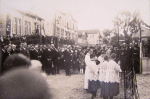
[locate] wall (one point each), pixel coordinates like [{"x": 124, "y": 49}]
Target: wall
[
  {"x": 93, "y": 38},
  {"x": 145, "y": 65},
  {"x": 2, "y": 21},
  {"x": 19, "y": 15}
]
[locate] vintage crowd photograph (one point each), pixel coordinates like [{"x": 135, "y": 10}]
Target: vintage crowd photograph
[{"x": 74, "y": 49}]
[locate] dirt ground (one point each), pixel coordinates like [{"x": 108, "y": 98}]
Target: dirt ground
[
  {"x": 69, "y": 87},
  {"x": 143, "y": 82}
]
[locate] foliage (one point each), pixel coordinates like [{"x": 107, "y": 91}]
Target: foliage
[
  {"x": 114, "y": 41},
  {"x": 123, "y": 22},
  {"x": 121, "y": 37},
  {"x": 106, "y": 32},
  {"x": 105, "y": 41}
]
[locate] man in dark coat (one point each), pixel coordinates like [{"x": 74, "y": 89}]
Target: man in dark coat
[
  {"x": 67, "y": 61},
  {"x": 58, "y": 61},
  {"x": 48, "y": 62},
  {"x": 54, "y": 59},
  {"x": 136, "y": 58},
  {"x": 43, "y": 57},
  {"x": 24, "y": 50},
  {"x": 34, "y": 53},
  {"x": 40, "y": 56},
  {"x": 75, "y": 61}
]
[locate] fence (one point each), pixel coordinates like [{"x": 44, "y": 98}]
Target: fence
[{"x": 128, "y": 85}]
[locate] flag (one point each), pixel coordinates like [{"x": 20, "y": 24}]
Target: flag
[
  {"x": 135, "y": 22},
  {"x": 137, "y": 16}
]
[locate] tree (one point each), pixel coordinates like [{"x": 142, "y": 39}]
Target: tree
[
  {"x": 121, "y": 37},
  {"x": 114, "y": 41},
  {"x": 135, "y": 23},
  {"x": 121, "y": 22},
  {"x": 106, "y": 32},
  {"x": 105, "y": 41}
]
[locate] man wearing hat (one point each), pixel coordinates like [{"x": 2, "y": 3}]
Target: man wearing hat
[
  {"x": 48, "y": 62},
  {"x": 67, "y": 61}
]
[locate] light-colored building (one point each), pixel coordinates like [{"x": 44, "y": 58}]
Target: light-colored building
[
  {"x": 61, "y": 25},
  {"x": 90, "y": 37},
  {"x": 82, "y": 38},
  {"x": 16, "y": 22}
]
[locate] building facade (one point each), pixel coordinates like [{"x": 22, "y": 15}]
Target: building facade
[
  {"x": 93, "y": 37},
  {"x": 15, "y": 22},
  {"x": 82, "y": 38},
  {"x": 61, "y": 25}
]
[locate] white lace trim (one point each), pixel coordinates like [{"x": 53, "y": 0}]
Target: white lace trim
[{"x": 109, "y": 76}]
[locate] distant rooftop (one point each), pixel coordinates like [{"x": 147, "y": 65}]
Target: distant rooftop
[
  {"x": 27, "y": 13},
  {"x": 145, "y": 32}
]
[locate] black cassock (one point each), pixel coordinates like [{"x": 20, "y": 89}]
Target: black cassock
[
  {"x": 67, "y": 61},
  {"x": 48, "y": 61}
]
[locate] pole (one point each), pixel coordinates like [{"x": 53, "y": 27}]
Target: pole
[
  {"x": 140, "y": 49},
  {"x": 118, "y": 35},
  {"x": 118, "y": 30}
]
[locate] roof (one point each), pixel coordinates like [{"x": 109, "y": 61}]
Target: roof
[
  {"x": 28, "y": 13},
  {"x": 144, "y": 33},
  {"x": 93, "y": 31},
  {"x": 60, "y": 11},
  {"x": 34, "y": 15}
]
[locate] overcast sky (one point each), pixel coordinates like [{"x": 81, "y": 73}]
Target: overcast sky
[{"x": 90, "y": 14}]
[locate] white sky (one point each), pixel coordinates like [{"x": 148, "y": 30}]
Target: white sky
[{"x": 90, "y": 14}]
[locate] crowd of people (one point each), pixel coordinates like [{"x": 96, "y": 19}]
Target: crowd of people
[
  {"x": 67, "y": 57},
  {"x": 101, "y": 64},
  {"x": 102, "y": 72},
  {"x": 103, "y": 67},
  {"x": 70, "y": 58}
]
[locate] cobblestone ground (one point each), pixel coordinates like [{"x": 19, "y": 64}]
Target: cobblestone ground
[
  {"x": 69, "y": 87},
  {"x": 143, "y": 82}
]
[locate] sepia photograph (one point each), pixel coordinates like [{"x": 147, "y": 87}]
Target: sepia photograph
[{"x": 74, "y": 49}]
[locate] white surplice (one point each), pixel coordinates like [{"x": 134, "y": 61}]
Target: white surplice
[
  {"x": 93, "y": 71},
  {"x": 109, "y": 72},
  {"x": 87, "y": 61}
]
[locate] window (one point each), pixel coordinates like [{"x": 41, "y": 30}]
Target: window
[
  {"x": 19, "y": 26},
  {"x": 16, "y": 26},
  {"x": 73, "y": 36},
  {"x": 27, "y": 27},
  {"x": 70, "y": 24},
  {"x": 57, "y": 32},
  {"x": 69, "y": 36},
  {"x": 67, "y": 26},
  {"x": 66, "y": 34},
  {"x": 62, "y": 33}
]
